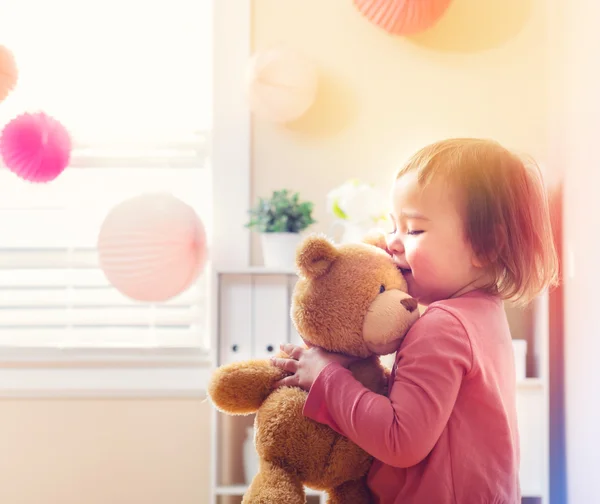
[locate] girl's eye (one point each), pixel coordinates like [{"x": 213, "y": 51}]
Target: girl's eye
[
  {"x": 381, "y": 289},
  {"x": 414, "y": 232}
]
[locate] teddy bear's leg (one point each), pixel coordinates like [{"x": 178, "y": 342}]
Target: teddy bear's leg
[
  {"x": 355, "y": 492},
  {"x": 274, "y": 485}
]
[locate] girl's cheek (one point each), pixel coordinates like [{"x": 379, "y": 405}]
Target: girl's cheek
[
  {"x": 418, "y": 260},
  {"x": 411, "y": 253}
]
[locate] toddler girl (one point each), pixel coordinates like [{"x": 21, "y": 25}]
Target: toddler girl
[{"x": 470, "y": 229}]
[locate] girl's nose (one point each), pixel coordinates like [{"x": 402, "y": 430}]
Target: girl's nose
[{"x": 395, "y": 245}]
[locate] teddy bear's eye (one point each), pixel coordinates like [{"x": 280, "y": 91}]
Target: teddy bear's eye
[{"x": 381, "y": 289}]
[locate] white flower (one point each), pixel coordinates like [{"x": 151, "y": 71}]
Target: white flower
[{"x": 357, "y": 202}]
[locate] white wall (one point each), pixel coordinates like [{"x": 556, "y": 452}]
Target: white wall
[{"x": 582, "y": 249}]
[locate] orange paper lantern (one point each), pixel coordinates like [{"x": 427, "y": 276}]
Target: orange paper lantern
[
  {"x": 8, "y": 72},
  {"x": 403, "y": 17}
]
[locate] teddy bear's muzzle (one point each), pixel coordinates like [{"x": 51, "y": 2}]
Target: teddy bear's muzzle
[{"x": 387, "y": 321}]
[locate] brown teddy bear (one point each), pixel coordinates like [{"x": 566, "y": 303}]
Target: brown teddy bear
[{"x": 350, "y": 299}]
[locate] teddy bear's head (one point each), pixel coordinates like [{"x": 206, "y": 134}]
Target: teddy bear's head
[{"x": 351, "y": 298}]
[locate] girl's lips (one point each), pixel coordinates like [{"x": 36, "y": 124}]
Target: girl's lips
[{"x": 404, "y": 270}]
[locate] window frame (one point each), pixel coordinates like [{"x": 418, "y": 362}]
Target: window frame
[{"x": 55, "y": 372}]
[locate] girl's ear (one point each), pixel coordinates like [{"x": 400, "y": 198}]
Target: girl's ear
[
  {"x": 315, "y": 256},
  {"x": 483, "y": 260}
]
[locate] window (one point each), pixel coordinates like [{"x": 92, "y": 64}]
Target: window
[{"x": 132, "y": 83}]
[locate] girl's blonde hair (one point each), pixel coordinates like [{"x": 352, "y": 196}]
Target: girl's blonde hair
[{"x": 507, "y": 221}]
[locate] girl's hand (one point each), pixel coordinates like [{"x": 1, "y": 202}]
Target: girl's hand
[{"x": 305, "y": 364}]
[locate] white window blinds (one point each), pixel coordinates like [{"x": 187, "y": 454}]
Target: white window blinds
[{"x": 131, "y": 81}]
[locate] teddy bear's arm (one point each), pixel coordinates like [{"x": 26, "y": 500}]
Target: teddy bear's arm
[
  {"x": 372, "y": 374},
  {"x": 240, "y": 388},
  {"x": 386, "y": 376}
]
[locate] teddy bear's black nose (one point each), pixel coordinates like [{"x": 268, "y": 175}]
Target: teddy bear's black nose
[{"x": 410, "y": 304}]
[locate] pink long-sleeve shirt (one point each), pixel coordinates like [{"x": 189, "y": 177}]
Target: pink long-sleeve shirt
[{"x": 447, "y": 433}]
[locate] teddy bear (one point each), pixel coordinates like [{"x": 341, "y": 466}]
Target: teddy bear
[{"x": 348, "y": 298}]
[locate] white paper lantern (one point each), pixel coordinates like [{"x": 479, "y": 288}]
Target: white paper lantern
[
  {"x": 152, "y": 247},
  {"x": 282, "y": 84}
]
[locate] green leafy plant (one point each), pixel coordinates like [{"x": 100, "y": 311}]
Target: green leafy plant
[{"x": 283, "y": 212}]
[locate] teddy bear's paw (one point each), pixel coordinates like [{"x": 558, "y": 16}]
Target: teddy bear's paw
[
  {"x": 274, "y": 485},
  {"x": 239, "y": 388},
  {"x": 355, "y": 492}
]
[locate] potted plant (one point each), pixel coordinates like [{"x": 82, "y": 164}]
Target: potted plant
[{"x": 280, "y": 219}]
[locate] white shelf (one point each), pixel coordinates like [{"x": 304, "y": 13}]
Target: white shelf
[
  {"x": 241, "y": 489},
  {"x": 530, "y": 384},
  {"x": 531, "y": 492},
  {"x": 255, "y": 270}
]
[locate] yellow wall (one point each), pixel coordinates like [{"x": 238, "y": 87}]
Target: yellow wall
[
  {"x": 104, "y": 451},
  {"x": 381, "y": 98}
]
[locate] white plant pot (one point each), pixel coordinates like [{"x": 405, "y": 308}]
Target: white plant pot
[{"x": 279, "y": 249}]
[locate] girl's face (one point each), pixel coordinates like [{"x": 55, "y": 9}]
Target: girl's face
[{"x": 428, "y": 241}]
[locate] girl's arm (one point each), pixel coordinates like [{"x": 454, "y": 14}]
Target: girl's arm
[{"x": 402, "y": 429}]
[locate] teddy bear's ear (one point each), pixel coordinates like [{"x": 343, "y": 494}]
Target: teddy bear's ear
[
  {"x": 376, "y": 238},
  {"x": 315, "y": 256}
]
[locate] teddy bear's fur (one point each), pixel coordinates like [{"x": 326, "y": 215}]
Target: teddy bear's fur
[{"x": 350, "y": 299}]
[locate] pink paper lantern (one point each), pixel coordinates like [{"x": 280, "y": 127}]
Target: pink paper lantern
[
  {"x": 152, "y": 247},
  {"x": 36, "y": 147},
  {"x": 282, "y": 84},
  {"x": 403, "y": 17},
  {"x": 8, "y": 72}
]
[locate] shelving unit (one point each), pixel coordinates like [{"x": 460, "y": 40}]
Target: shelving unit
[
  {"x": 533, "y": 408},
  {"x": 251, "y": 318}
]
